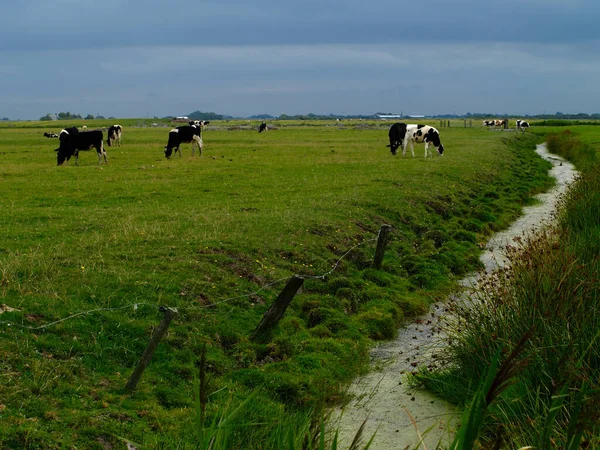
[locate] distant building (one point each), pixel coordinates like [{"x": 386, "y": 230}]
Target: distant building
[{"x": 388, "y": 116}]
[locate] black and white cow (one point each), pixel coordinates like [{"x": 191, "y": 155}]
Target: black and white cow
[
  {"x": 114, "y": 135},
  {"x": 50, "y": 135},
  {"x": 488, "y": 123},
  {"x": 71, "y": 141},
  {"x": 422, "y": 134},
  {"x": 262, "y": 127},
  {"x": 186, "y": 134},
  {"x": 521, "y": 124},
  {"x": 396, "y": 134}
]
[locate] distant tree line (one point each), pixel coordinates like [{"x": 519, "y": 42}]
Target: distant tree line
[
  {"x": 199, "y": 115},
  {"x": 68, "y": 116}
]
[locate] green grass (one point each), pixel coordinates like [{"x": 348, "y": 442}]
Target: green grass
[
  {"x": 216, "y": 237},
  {"x": 550, "y": 399}
]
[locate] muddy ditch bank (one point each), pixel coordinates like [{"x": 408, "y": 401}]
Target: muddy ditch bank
[{"x": 404, "y": 417}]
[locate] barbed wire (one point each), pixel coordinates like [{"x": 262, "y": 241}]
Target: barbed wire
[{"x": 136, "y": 305}]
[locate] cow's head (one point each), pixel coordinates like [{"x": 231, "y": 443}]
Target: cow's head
[
  {"x": 433, "y": 136},
  {"x": 397, "y": 134},
  {"x": 394, "y": 147},
  {"x": 66, "y": 147},
  {"x": 198, "y": 123},
  {"x": 64, "y": 152}
]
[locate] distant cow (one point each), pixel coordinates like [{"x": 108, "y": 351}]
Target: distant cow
[
  {"x": 522, "y": 124},
  {"x": 186, "y": 133},
  {"x": 501, "y": 123},
  {"x": 489, "y": 123},
  {"x": 114, "y": 135},
  {"x": 262, "y": 127},
  {"x": 50, "y": 135},
  {"x": 423, "y": 134},
  {"x": 71, "y": 141},
  {"x": 396, "y": 134}
]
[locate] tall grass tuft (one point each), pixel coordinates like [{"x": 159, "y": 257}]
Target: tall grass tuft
[
  {"x": 497, "y": 379},
  {"x": 304, "y": 431}
]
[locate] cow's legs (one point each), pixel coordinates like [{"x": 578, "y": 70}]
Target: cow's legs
[
  {"x": 197, "y": 142},
  {"x": 101, "y": 153},
  {"x": 412, "y": 147},
  {"x": 176, "y": 150},
  {"x": 427, "y": 151}
]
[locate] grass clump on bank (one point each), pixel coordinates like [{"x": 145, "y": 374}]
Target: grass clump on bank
[{"x": 547, "y": 306}]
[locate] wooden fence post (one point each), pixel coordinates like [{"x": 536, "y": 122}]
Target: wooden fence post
[
  {"x": 279, "y": 306},
  {"x": 159, "y": 332},
  {"x": 382, "y": 240}
]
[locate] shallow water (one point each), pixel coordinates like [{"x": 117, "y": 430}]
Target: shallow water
[{"x": 402, "y": 416}]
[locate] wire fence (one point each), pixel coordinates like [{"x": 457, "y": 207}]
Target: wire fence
[{"x": 136, "y": 305}]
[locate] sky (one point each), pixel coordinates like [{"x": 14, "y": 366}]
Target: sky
[{"x": 146, "y": 58}]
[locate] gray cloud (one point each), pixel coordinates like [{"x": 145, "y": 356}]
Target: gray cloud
[{"x": 133, "y": 58}]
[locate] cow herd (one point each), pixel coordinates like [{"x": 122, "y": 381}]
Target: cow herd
[
  {"x": 502, "y": 124},
  {"x": 72, "y": 140}
]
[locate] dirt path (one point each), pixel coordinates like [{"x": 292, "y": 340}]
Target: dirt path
[{"x": 393, "y": 409}]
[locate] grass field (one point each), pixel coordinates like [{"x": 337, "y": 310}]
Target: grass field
[{"x": 216, "y": 237}]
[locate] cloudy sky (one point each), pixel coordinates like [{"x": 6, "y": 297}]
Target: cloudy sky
[{"x": 145, "y": 58}]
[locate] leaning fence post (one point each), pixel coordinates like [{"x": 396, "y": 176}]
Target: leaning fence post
[
  {"x": 159, "y": 332},
  {"x": 279, "y": 306},
  {"x": 381, "y": 243}
]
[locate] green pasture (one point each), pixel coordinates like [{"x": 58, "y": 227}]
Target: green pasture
[{"x": 216, "y": 237}]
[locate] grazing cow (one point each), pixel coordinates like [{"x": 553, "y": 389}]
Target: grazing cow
[
  {"x": 489, "y": 123},
  {"x": 422, "y": 134},
  {"x": 522, "y": 124},
  {"x": 72, "y": 140},
  {"x": 187, "y": 134},
  {"x": 50, "y": 135},
  {"x": 501, "y": 123},
  {"x": 114, "y": 135},
  {"x": 262, "y": 127},
  {"x": 396, "y": 134}
]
